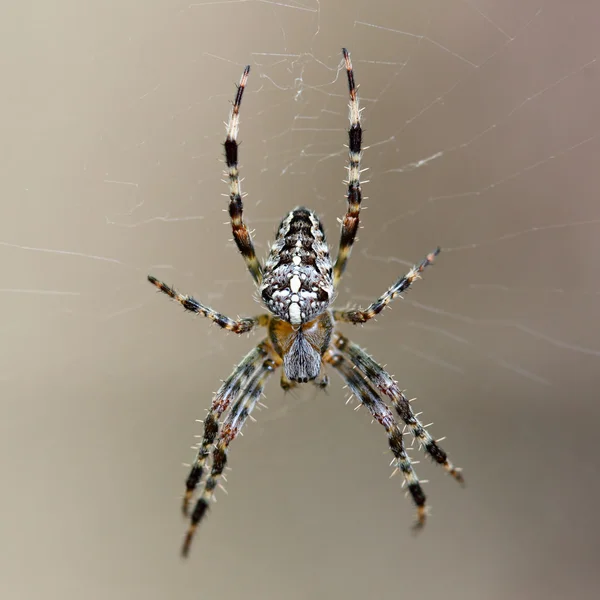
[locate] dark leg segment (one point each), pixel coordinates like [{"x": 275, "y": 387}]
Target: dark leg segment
[
  {"x": 382, "y": 414},
  {"x": 354, "y": 195},
  {"x": 231, "y": 427},
  {"x": 191, "y": 304},
  {"x": 241, "y": 235},
  {"x": 363, "y": 315},
  {"x": 388, "y": 387},
  {"x": 228, "y": 391}
]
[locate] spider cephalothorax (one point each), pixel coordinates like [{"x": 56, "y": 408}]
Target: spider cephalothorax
[
  {"x": 302, "y": 346},
  {"x": 297, "y": 285}
]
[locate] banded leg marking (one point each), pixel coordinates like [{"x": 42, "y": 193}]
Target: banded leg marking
[
  {"x": 388, "y": 387},
  {"x": 354, "y": 194},
  {"x": 360, "y": 315},
  {"x": 191, "y": 304},
  {"x": 228, "y": 392},
  {"x": 365, "y": 393},
  {"x": 241, "y": 235},
  {"x": 231, "y": 427}
]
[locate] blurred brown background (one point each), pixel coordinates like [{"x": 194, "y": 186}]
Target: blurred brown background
[{"x": 483, "y": 122}]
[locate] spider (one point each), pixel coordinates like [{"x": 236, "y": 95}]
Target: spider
[{"x": 297, "y": 285}]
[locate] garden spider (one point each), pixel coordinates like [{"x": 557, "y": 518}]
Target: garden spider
[{"x": 297, "y": 285}]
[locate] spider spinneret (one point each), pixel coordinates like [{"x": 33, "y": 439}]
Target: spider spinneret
[{"x": 297, "y": 285}]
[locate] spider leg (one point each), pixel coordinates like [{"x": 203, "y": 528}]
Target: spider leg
[
  {"x": 241, "y": 235},
  {"x": 230, "y": 428},
  {"x": 364, "y": 392},
  {"x": 386, "y": 385},
  {"x": 236, "y": 325},
  {"x": 228, "y": 391},
  {"x": 354, "y": 195},
  {"x": 356, "y": 316}
]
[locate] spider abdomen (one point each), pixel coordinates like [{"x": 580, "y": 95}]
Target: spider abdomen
[{"x": 297, "y": 283}]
